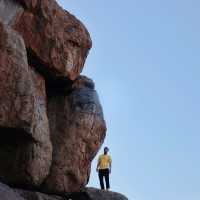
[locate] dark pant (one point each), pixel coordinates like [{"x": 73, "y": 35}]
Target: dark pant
[{"x": 104, "y": 173}]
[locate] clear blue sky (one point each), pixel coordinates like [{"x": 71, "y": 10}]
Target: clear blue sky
[{"x": 146, "y": 65}]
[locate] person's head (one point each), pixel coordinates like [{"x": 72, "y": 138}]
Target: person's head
[{"x": 106, "y": 149}]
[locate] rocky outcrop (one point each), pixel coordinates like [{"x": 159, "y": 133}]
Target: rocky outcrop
[
  {"x": 51, "y": 120},
  {"x": 7, "y": 193},
  {"x": 25, "y": 147},
  {"x": 76, "y": 119},
  {"x": 77, "y": 131},
  {"x": 95, "y": 194},
  {"x": 29, "y": 195},
  {"x": 57, "y": 43}
]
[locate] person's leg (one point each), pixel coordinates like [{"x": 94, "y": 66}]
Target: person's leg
[
  {"x": 107, "y": 179},
  {"x": 101, "y": 179}
]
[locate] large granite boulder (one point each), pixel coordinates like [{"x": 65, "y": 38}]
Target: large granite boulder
[
  {"x": 25, "y": 147},
  {"x": 77, "y": 130},
  {"x": 57, "y": 42}
]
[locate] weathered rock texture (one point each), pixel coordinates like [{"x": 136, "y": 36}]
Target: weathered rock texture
[
  {"x": 28, "y": 195},
  {"x": 95, "y": 194},
  {"x": 40, "y": 42},
  {"x": 7, "y": 193},
  {"x": 85, "y": 194},
  {"x": 78, "y": 129},
  {"x": 25, "y": 148},
  {"x": 55, "y": 39},
  {"x": 9, "y": 11},
  {"x": 51, "y": 120}
]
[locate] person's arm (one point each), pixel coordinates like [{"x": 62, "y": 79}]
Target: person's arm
[
  {"x": 98, "y": 163},
  {"x": 110, "y": 164}
]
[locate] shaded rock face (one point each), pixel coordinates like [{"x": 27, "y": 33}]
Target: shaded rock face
[
  {"x": 77, "y": 130},
  {"x": 95, "y": 194},
  {"x": 25, "y": 148},
  {"x": 28, "y": 195},
  {"x": 7, "y": 193},
  {"x": 16, "y": 90},
  {"x": 9, "y": 11},
  {"x": 56, "y": 41}
]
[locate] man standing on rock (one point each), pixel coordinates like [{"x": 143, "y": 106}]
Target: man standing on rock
[{"x": 104, "y": 168}]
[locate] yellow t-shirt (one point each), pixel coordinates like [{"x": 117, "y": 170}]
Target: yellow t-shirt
[{"x": 104, "y": 161}]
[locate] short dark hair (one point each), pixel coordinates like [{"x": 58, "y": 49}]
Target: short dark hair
[{"x": 106, "y": 148}]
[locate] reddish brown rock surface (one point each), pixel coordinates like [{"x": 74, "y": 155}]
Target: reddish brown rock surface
[
  {"x": 45, "y": 54},
  {"x": 57, "y": 42},
  {"x": 25, "y": 147},
  {"x": 78, "y": 129}
]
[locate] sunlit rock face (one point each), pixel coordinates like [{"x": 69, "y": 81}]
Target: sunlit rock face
[
  {"x": 57, "y": 42},
  {"x": 54, "y": 38}
]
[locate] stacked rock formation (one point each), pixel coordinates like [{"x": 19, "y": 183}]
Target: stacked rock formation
[{"x": 51, "y": 120}]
